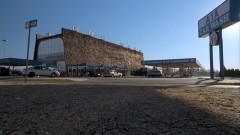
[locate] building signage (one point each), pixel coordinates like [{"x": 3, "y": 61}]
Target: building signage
[
  {"x": 170, "y": 61},
  {"x": 223, "y": 16}
]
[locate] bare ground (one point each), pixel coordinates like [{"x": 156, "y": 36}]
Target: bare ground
[{"x": 79, "y": 109}]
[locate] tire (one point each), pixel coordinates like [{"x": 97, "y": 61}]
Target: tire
[
  {"x": 53, "y": 75},
  {"x": 31, "y": 74}
]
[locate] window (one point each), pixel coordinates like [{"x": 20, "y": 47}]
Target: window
[{"x": 51, "y": 49}]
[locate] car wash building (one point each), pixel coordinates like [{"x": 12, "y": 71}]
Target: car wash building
[
  {"x": 73, "y": 52},
  {"x": 176, "y": 67}
]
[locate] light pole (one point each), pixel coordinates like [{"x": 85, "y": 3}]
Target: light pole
[{"x": 5, "y": 42}]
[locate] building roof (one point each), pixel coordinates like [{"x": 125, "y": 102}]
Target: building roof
[
  {"x": 18, "y": 62},
  {"x": 172, "y": 63}
]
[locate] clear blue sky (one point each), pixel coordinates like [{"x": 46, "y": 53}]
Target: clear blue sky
[{"x": 161, "y": 29}]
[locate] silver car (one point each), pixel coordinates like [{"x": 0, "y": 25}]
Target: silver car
[
  {"x": 40, "y": 71},
  {"x": 112, "y": 73}
]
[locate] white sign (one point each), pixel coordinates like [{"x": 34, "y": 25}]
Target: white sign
[
  {"x": 30, "y": 24},
  {"x": 213, "y": 38}
]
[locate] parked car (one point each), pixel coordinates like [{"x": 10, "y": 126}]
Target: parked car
[
  {"x": 40, "y": 71},
  {"x": 153, "y": 73},
  {"x": 112, "y": 73},
  {"x": 5, "y": 71},
  {"x": 91, "y": 74},
  {"x": 17, "y": 72}
]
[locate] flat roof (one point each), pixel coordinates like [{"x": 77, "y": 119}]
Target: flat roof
[
  {"x": 18, "y": 62},
  {"x": 172, "y": 63}
]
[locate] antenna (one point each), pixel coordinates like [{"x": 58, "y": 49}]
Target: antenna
[
  {"x": 48, "y": 34},
  {"x": 90, "y": 33},
  {"x": 75, "y": 28},
  {"x": 103, "y": 37}
]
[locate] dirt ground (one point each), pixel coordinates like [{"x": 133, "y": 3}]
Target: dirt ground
[{"x": 131, "y": 110}]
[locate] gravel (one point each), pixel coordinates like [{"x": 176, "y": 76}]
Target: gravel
[{"x": 131, "y": 110}]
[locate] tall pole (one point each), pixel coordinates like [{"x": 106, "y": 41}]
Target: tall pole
[
  {"x": 29, "y": 32},
  {"x": 221, "y": 55},
  {"x": 4, "y": 49},
  {"x": 211, "y": 61},
  {"x": 29, "y": 25},
  {"x": 5, "y": 42}
]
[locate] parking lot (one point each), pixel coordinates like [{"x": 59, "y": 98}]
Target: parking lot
[{"x": 116, "y": 106}]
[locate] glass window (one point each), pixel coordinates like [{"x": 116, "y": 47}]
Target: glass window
[{"x": 51, "y": 49}]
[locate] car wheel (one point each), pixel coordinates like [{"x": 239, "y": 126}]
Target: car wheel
[
  {"x": 53, "y": 75},
  {"x": 31, "y": 74}
]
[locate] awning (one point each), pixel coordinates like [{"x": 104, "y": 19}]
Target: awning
[
  {"x": 172, "y": 63},
  {"x": 121, "y": 68},
  {"x": 84, "y": 65},
  {"x": 18, "y": 62}
]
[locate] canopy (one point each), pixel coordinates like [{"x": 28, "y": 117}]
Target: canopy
[{"x": 18, "y": 62}]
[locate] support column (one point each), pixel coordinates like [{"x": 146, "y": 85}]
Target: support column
[
  {"x": 221, "y": 55},
  {"x": 211, "y": 61}
]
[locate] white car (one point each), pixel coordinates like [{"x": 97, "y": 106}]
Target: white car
[
  {"x": 112, "y": 73},
  {"x": 40, "y": 71}
]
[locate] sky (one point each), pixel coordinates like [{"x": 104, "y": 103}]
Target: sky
[{"x": 161, "y": 29}]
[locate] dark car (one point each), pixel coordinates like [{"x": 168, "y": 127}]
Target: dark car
[
  {"x": 154, "y": 74},
  {"x": 5, "y": 71},
  {"x": 91, "y": 74},
  {"x": 17, "y": 72}
]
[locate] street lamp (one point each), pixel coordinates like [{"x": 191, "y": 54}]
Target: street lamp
[{"x": 5, "y": 42}]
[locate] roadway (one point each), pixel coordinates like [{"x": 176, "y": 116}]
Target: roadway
[
  {"x": 128, "y": 81},
  {"x": 142, "y": 81}
]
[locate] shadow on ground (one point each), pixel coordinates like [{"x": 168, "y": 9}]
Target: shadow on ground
[{"x": 78, "y": 109}]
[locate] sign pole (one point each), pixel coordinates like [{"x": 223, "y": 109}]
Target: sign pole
[
  {"x": 211, "y": 61},
  {"x": 221, "y": 55},
  {"x": 28, "y": 26},
  {"x": 29, "y": 32}
]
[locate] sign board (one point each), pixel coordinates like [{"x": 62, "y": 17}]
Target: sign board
[
  {"x": 30, "y": 24},
  {"x": 170, "y": 61},
  {"x": 223, "y": 16}
]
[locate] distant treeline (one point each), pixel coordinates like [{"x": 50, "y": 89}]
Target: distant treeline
[{"x": 232, "y": 72}]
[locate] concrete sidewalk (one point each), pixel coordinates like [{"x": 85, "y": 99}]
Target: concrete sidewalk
[{"x": 218, "y": 83}]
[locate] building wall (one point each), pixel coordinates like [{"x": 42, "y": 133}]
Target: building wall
[{"x": 81, "y": 48}]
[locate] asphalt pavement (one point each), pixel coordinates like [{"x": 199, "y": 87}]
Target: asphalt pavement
[{"x": 135, "y": 81}]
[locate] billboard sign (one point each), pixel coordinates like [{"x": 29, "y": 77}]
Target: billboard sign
[
  {"x": 169, "y": 61},
  {"x": 223, "y": 16}
]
